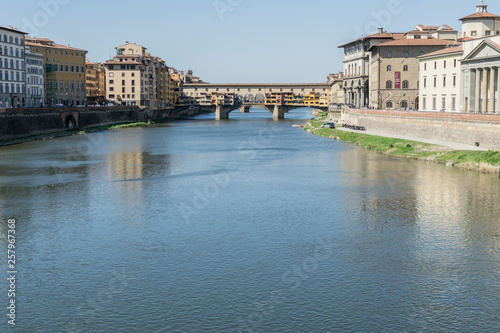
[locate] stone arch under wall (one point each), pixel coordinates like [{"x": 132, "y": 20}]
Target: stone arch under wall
[
  {"x": 249, "y": 98},
  {"x": 70, "y": 123},
  {"x": 260, "y": 98}
]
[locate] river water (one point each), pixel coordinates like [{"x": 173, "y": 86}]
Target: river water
[{"x": 246, "y": 225}]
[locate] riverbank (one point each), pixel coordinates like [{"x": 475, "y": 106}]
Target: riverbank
[
  {"x": 55, "y": 135},
  {"x": 482, "y": 161}
]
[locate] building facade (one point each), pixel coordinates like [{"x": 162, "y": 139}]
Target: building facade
[
  {"x": 481, "y": 62},
  {"x": 336, "y": 93},
  {"x": 95, "y": 78},
  {"x": 356, "y": 81},
  {"x": 440, "y": 80},
  {"x": 395, "y": 71},
  {"x": 64, "y": 72},
  {"x": 134, "y": 77},
  {"x": 35, "y": 79},
  {"x": 12, "y": 68}
]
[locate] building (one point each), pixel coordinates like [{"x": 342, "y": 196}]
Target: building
[
  {"x": 35, "y": 79},
  {"x": 12, "y": 68},
  {"x": 336, "y": 93},
  {"x": 134, "y": 77},
  {"x": 440, "y": 80},
  {"x": 481, "y": 62},
  {"x": 394, "y": 79},
  {"x": 95, "y": 79},
  {"x": 64, "y": 71},
  {"x": 356, "y": 81},
  {"x": 481, "y": 23}
]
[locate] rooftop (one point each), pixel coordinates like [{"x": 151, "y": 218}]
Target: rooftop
[
  {"x": 47, "y": 43},
  {"x": 416, "y": 42},
  {"x": 450, "y": 50}
]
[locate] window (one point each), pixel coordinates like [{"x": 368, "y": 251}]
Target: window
[
  {"x": 455, "y": 63},
  {"x": 435, "y": 82},
  {"x": 454, "y": 80},
  {"x": 66, "y": 68},
  {"x": 473, "y": 33},
  {"x": 111, "y": 96},
  {"x": 389, "y": 55},
  {"x": 424, "y": 102},
  {"x": 453, "y": 103},
  {"x": 417, "y": 37},
  {"x": 444, "y": 64},
  {"x": 443, "y": 103},
  {"x": 488, "y": 33},
  {"x": 406, "y": 85},
  {"x": 123, "y": 90},
  {"x": 389, "y": 68},
  {"x": 404, "y": 105},
  {"x": 111, "y": 88},
  {"x": 434, "y": 103},
  {"x": 425, "y": 82},
  {"x": 435, "y": 65},
  {"x": 133, "y": 83},
  {"x": 123, "y": 74},
  {"x": 405, "y": 68},
  {"x": 425, "y": 66},
  {"x": 444, "y": 81},
  {"x": 111, "y": 81},
  {"x": 72, "y": 68},
  {"x": 407, "y": 55},
  {"x": 389, "y": 105},
  {"x": 388, "y": 84},
  {"x": 123, "y": 82}
]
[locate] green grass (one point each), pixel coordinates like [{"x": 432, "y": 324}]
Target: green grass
[
  {"x": 412, "y": 149},
  {"x": 120, "y": 126}
]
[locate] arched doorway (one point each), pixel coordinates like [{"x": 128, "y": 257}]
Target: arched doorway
[
  {"x": 404, "y": 105},
  {"x": 417, "y": 106},
  {"x": 70, "y": 123},
  {"x": 249, "y": 98}
]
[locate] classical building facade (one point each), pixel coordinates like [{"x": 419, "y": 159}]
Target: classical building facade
[
  {"x": 12, "y": 68},
  {"x": 35, "y": 79},
  {"x": 336, "y": 93},
  {"x": 440, "y": 80},
  {"x": 481, "y": 62},
  {"x": 64, "y": 71}
]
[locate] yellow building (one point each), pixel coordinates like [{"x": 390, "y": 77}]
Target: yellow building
[
  {"x": 96, "y": 83},
  {"x": 65, "y": 81}
]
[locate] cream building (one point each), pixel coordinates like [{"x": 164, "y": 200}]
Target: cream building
[
  {"x": 440, "y": 80},
  {"x": 481, "y": 62}
]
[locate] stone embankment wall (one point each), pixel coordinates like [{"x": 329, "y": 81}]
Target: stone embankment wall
[
  {"x": 466, "y": 128},
  {"x": 21, "y": 123}
]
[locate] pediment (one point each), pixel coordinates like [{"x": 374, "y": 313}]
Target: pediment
[{"x": 484, "y": 50}]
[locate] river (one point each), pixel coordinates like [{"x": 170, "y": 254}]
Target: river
[{"x": 246, "y": 225}]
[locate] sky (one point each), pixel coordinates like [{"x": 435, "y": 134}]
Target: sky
[{"x": 230, "y": 41}]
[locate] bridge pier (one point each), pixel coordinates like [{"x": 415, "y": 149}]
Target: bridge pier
[
  {"x": 278, "y": 113},
  {"x": 245, "y": 109},
  {"x": 220, "y": 113}
]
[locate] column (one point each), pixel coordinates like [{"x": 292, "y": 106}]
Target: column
[
  {"x": 497, "y": 105},
  {"x": 477, "y": 91},
  {"x": 362, "y": 104},
  {"x": 470, "y": 93},
  {"x": 484, "y": 92},
  {"x": 492, "y": 90}
]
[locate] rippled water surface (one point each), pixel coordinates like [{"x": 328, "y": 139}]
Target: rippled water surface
[{"x": 247, "y": 225}]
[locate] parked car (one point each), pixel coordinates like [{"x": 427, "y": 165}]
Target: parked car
[{"x": 328, "y": 125}]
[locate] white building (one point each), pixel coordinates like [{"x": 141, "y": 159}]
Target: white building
[
  {"x": 12, "y": 68},
  {"x": 35, "y": 73},
  {"x": 481, "y": 62},
  {"x": 440, "y": 80}
]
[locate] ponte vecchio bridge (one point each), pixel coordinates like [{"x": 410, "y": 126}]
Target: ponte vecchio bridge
[{"x": 279, "y": 99}]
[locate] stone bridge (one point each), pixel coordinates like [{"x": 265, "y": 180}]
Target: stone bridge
[{"x": 278, "y": 99}]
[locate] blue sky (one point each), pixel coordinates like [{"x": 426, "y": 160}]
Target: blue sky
[{"x": 233, "y": 41}]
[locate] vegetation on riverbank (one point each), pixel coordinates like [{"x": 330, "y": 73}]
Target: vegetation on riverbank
[{"x": 484, "y": 161}]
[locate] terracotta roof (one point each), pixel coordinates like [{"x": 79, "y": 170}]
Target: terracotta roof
[
  {"x": 464, "y": 39},
  {"x": 384, "y": 35},
  {"x": 449, "y": 50},
  {"x": 430, "y": 27},
  {"x": 53, "y": 46},
  {"x": 480, "y": 15},
  {"x": 112, "y": 62},
  {"x": 416, "y": 42}
]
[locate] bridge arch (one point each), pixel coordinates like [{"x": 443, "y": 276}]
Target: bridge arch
[
  {"x": 260, "y": 99},
  {"x": 249, "y": 98},
  {"x": 70, "y": 123}
]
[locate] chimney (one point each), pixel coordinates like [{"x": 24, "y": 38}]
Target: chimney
[{"x": 380, "y": 30}]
